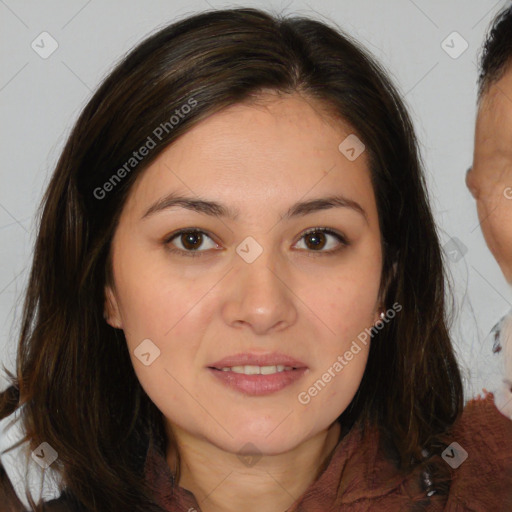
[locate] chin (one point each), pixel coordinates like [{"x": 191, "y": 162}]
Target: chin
[
  {"x": 263, "y": 445},
  {"x": 265, "y": 440}
]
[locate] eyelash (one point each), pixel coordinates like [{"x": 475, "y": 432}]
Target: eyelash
[{"x": 311, "y": 253}]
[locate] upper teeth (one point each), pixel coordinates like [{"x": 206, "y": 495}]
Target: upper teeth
[{"x": 255, "y": 370}]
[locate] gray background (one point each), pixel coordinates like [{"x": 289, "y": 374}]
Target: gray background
[{"x": 41, "y": 98}]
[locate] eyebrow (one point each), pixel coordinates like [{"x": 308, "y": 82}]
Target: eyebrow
[{"x": 215, "y": 209}]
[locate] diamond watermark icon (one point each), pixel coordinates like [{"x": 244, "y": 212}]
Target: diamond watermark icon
[
  {"x": 454, "y": 455},
  {"x": 44, "y": 45},
  {"x": 146, "y": 352},
  {"x": 455, "y": 249},
  {"x": 352, "y": 147},
  {"x": 249, "y": 249},
  {"x": 252, "y": 455},
  {"x": 44, "y": 455},
  {"x": 454, "y": 45}
]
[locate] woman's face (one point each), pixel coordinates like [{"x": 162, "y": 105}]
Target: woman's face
[{"x": 252, "y": 288}]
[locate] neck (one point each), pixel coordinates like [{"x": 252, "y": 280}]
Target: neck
[{"x": 220, "y": 482}]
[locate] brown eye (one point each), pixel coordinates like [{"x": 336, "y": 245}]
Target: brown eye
[
  {"x": 189, "y": 242},
  {"x": 315, "y": 240},
  {"x": 192, "y": 240},
  {"x": 318, "y": 239}
]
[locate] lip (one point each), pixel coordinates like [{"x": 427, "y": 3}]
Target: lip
[
  {"x": 251, "y": 358},
  {"x": 258, "y": 385}
]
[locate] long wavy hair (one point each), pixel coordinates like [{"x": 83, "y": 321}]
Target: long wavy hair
[{"x": 74, "y": 377}]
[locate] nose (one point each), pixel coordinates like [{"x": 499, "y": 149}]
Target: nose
[{"x": 260, "y": 296}]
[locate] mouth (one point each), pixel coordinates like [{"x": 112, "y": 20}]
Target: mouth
[
  {"x": 255, "y": 369},
  {"x": 256, "y": 374}
]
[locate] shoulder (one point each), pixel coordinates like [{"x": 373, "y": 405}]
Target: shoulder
[{"x": 480, "y": 457}]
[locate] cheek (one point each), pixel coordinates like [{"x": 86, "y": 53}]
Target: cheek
[
  {"x": 162, "y": 330},
  {"x": 347, "y": 306},
  {"x": 351, "y": 317},
  {"x": 330, "y": 389},
  {"x": 495, "y": 216},
  {"x": 352, "y": 306},
  {"x": 497, "y": 230},
  {"x": 352, "y": 297},
  {"x": 160, "y": 314},
  {"x": 154, "y": 294}
]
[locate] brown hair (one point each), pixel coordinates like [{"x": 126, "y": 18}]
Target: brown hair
[{"x": 74, "y": 375}]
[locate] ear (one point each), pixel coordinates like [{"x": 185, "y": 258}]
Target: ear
[{"x": 111, "y": 309}]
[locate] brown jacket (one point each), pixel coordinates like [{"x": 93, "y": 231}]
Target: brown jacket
[{"x": 358, "y": 478}]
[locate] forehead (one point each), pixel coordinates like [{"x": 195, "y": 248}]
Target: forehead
[
  {"x": 269, "y": 126},
  {"x": 493, "y": 136},
  {"x": 269, "y": 148}
]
